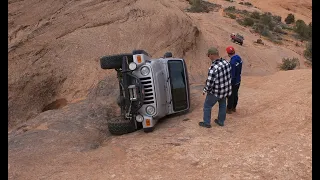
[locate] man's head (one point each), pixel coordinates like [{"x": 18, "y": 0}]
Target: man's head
[
  {"x": 230, "y": 50},
  {"x": 213, "y": 53}
]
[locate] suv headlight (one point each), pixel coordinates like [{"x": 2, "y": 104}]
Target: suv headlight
[
  {"x": 139, "y": 118},
  {"x": 145, "y": 70},
  {"x": 132, "y": 66},
  {"x": 150, "y": 110}
]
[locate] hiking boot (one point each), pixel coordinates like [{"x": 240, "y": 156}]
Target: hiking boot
[
  {"x": 229, "y": 111},
  {"x": 217, "y": 122},
  {"x": 204, "y": 125}
]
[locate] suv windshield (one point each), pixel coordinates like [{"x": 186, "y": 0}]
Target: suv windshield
[{"x": 178, "y": 85}]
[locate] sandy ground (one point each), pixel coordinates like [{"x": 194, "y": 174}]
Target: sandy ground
[
  {"x": 269, "y": 137},
  {"x": 54, "y": 57}
]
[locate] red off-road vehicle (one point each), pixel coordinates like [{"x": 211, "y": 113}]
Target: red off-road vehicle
[{"x": 237, "y": 38}]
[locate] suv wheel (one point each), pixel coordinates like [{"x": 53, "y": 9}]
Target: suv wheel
[
  {"x": 115, "y": 61},
  {"x": 119, "y": 126}
]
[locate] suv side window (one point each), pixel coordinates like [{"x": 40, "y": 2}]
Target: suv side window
[{"x": 178, "y": 85}]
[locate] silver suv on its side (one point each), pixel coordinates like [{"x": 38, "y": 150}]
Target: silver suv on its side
[{"x": 150, "y": 89}]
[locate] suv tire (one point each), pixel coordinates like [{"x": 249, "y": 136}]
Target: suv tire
[
  {"x": 119, "y": 126},
  {"x": 115, "y": 61}
]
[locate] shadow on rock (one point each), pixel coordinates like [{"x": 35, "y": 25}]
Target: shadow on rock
[{"x": 76, "y": 127}]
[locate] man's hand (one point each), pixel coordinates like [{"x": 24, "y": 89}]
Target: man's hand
[{"x": 203, "y": 92}]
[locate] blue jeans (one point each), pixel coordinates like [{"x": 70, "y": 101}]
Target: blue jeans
[{"x": 209, "y": 102}]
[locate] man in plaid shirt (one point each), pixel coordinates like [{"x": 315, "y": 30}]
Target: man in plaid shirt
[{"x": 218, "y": 88}]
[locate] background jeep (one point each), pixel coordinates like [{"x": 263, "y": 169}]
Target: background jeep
[
  {"x": 237, "y": 38},
  {"x": 150, "y": 89}
]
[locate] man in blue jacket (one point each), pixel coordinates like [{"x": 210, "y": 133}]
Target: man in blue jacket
[{"x": 236, "y": 68}]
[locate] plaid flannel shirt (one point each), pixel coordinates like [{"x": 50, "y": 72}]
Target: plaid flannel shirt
[{"x": 219, "y": 79}]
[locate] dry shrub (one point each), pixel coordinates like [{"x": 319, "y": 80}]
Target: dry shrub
[
  {"x": 289, "y": 64},
  {"x": 198, "y": 6},
  {"x": 232, "y": 16},
  {"x": 259, "y": 41},
  {"x": 308, "y": 51}
]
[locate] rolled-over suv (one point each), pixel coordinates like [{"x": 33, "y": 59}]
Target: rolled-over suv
[{"x": 150, "y": 89}]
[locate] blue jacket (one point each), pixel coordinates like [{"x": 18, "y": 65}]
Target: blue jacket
[{"x": 236, "y": 68}]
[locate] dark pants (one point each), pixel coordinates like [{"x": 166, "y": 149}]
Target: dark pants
[{"x": 233, "y": 99}]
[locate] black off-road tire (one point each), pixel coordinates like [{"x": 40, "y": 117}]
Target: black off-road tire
[
  {"x": 114, "y": 61},
  {"x": 119, "y": 126},
  {"x": 120, "y": 100}
]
